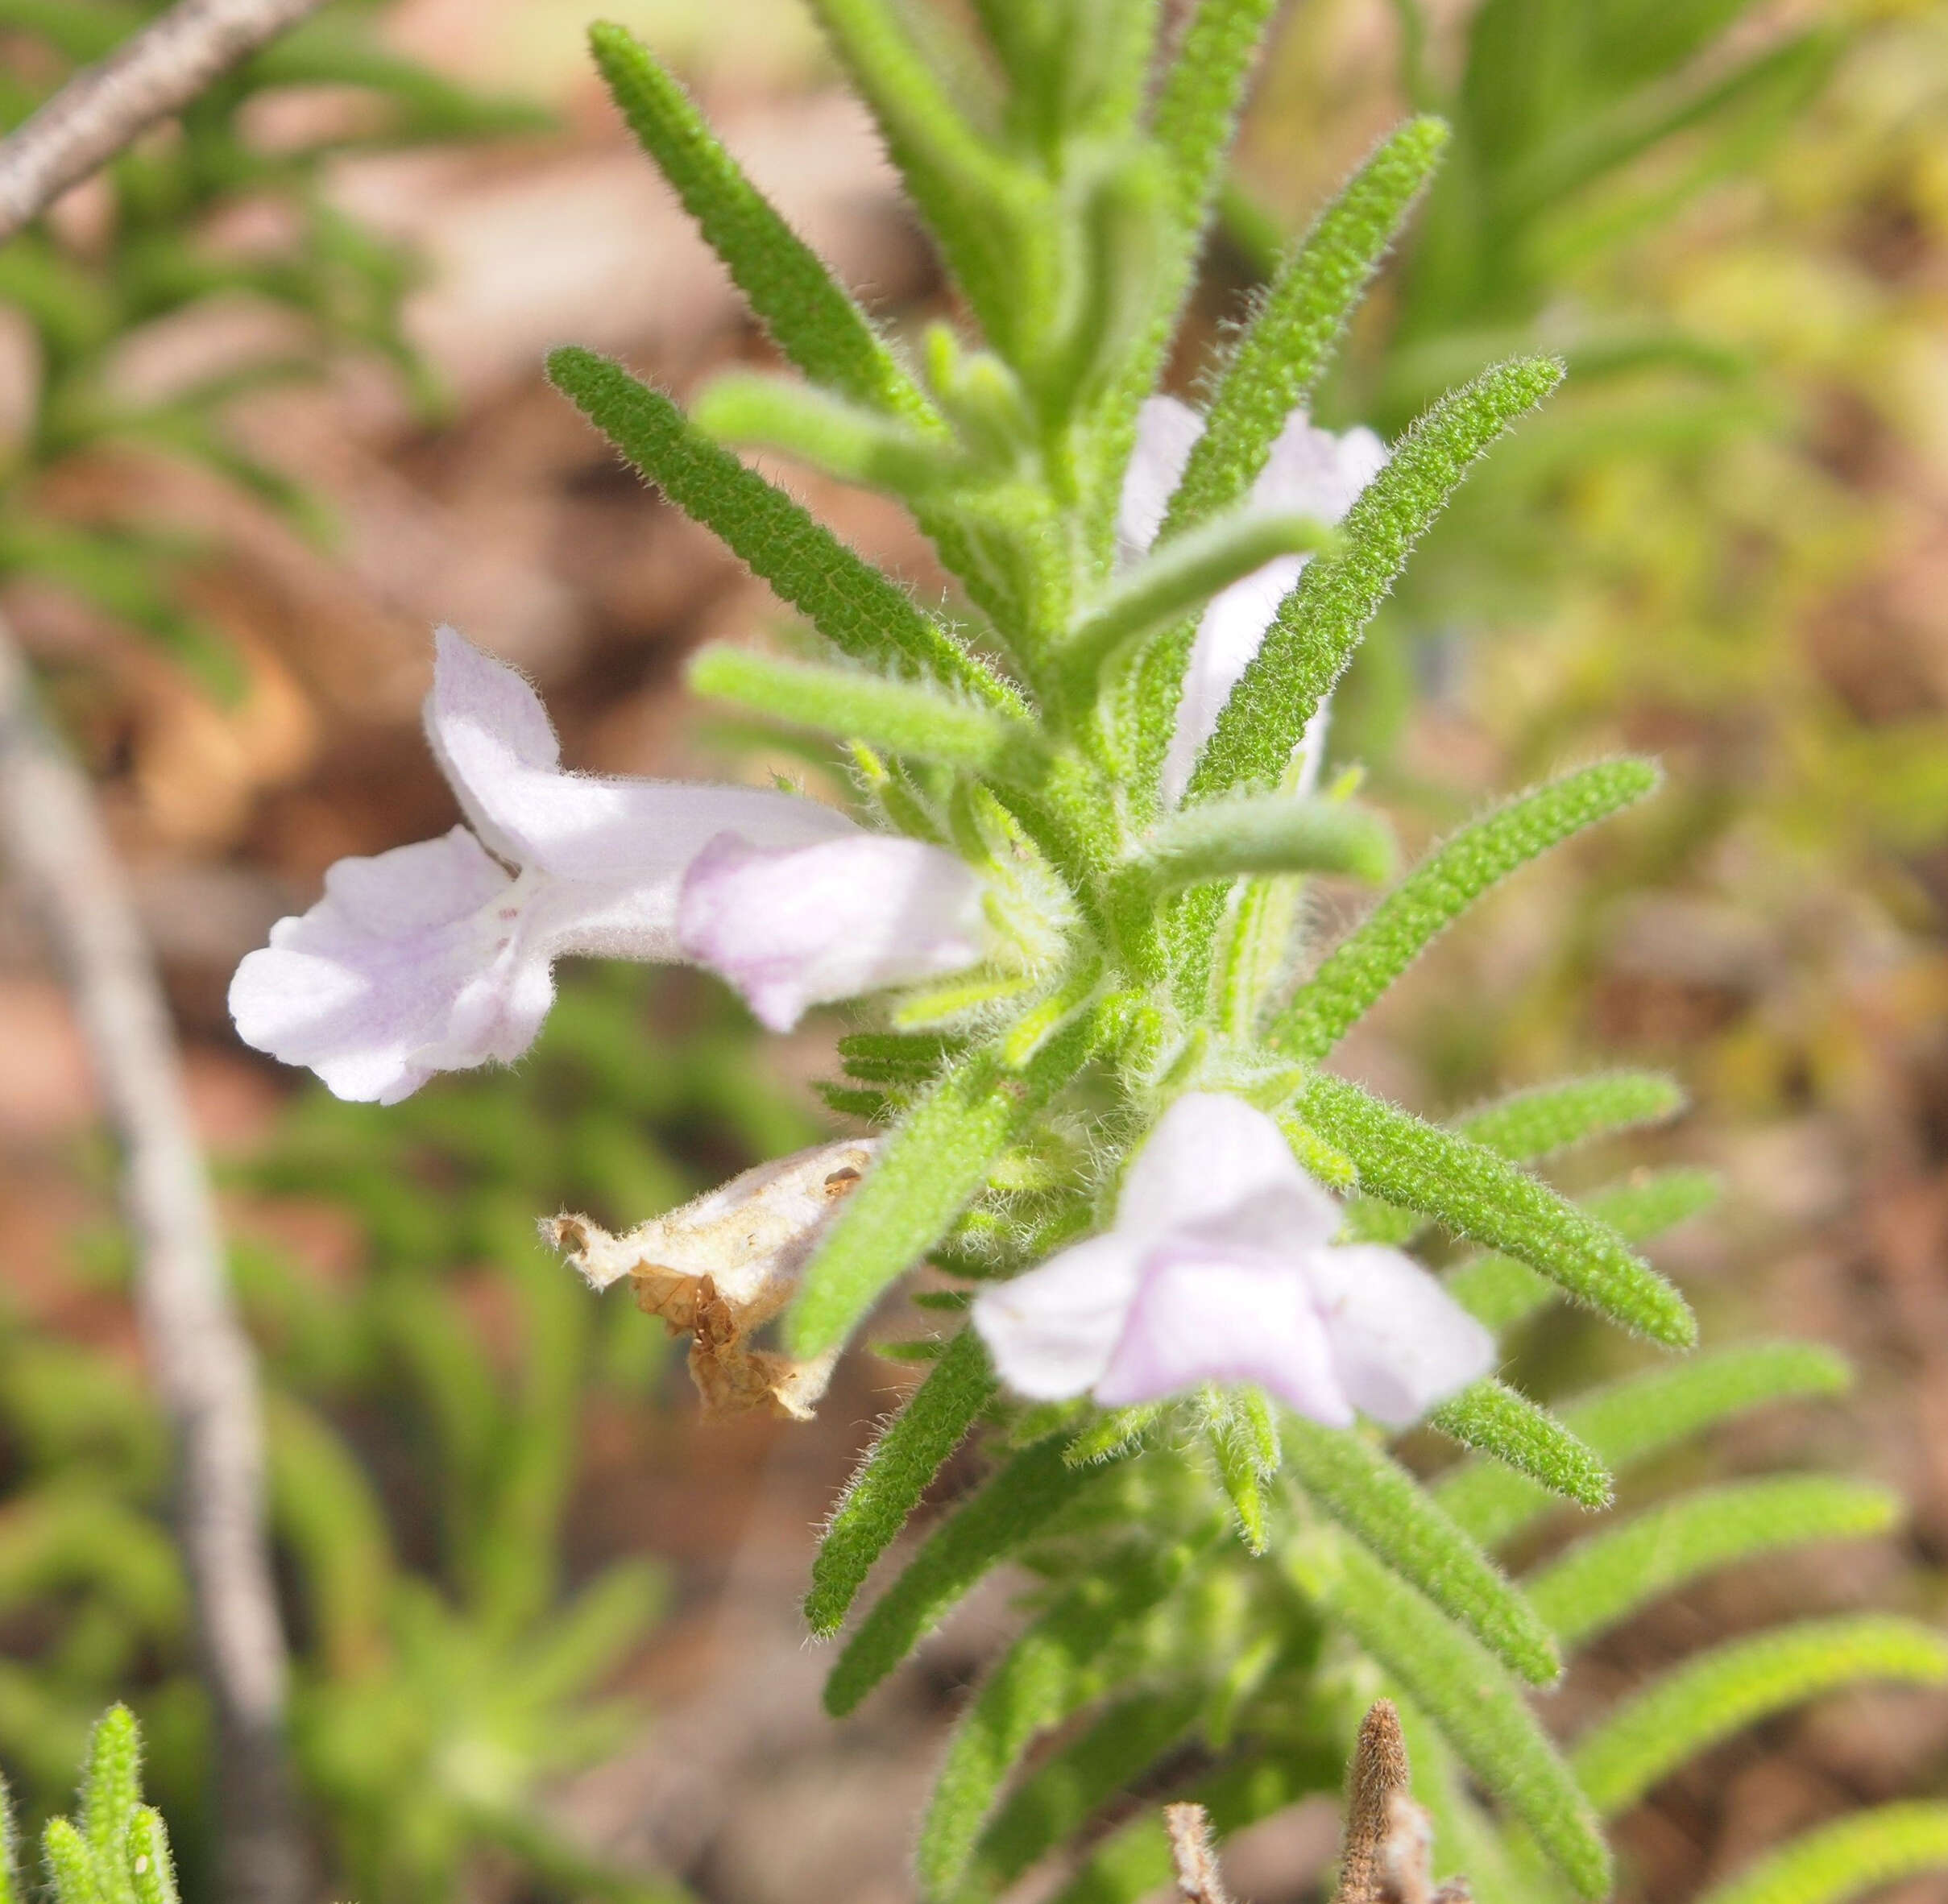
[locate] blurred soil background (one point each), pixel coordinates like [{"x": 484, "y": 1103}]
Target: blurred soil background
[{"x": 1747, "y": 575}]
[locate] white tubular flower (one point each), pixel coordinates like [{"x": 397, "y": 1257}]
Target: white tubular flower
[
  {"x": 440, "y": 956},
  {"x": 1310, "y": 471},
  {"x": 1221, "y": 1268}
]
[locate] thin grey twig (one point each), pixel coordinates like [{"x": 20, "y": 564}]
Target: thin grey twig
[
  {"x": 104, "y": 107},
  {"x": 200, "y": 1360}
]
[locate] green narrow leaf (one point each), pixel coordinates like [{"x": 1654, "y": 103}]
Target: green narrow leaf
[
  {"x": 1501, "y": 1293},
  {"x": 1527, "y": 1126},
  {"x": 111, "y": 1789},
  {"x": 1197, "y": 106},
  {"x": 1399, "y": 929},
  {"x": 1279, "y": 358},
  {"x": 1178, "y": 579},
  {"x": 862, "y": 612},
  {"x": 929, "y": 1167},
  {"x": 897, "y": 1058},
  {"x": 987, "y": 214},
  {"x": 904, "y": 718},
  {"x": 1265, "y": 833},
  {"x": 1607, "y": 1576},
  {"x": 1119, "y": 1432},
  {"x": 1638, "y": 1418},
  {"x": 71, "y": 1870},
  {"x": 1320, "y": 622},
  {"x": 809, "y": 315},
  {"x": 846, "y": 438},
  {"x": 1479, "y": 1709},
  {"x": 151, "y": 1867},
  {"x": 1496, "y": 1420},
  {"x": 1054, "y": 1669},
  {"x": 893, "y": 1476},
  {"x": 1244, "y": 1437},
  {"x": 1721, "y": 1692},
  {"x": 1066, "y": 1790},
  {"x": 1476, "y": 1194},
  {"x": 1010, "y": 1509},
  {"x": 1396, "y": 1519},
  {"x": 1198, "y": 101},
  {"x": 1839, "y": 1861}
]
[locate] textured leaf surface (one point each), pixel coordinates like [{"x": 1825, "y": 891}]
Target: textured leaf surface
[
  {"x": 1609, "y": 1576},
  {"x": 1320, "y": 622},
  {"x": 1495, "y": 1419},
  {"x": 1010, "y": 1509},
  {"x": 1476, "y": 1194},
  {"x": 1451, "y": 878},
  {"x": 894, "y": 1474},
  {"x": 851, "y": 705},
  {"x": 1480, "y": 1710},
  {"x": 1384, "y": 1508},
  {"x": 1718, "y": 1693},
  {"x": 1841, "y": 1861},
  {"x": 808, "y": 314},
  {"x": 1062, "y": 1662},
  {"x": 1634, "y": 1419},
  {"x": 860, "y": 610}
]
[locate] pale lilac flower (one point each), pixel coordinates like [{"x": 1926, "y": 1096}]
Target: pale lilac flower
[
  {"x": 1312, "y": 471},
  {"x": 1221, "y": 1268},
  {"x": 440, "y": 956}
]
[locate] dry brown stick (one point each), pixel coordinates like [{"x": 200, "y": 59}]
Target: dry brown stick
[
  {"x": 1389, "y": 1839},
  {"x": 197, "y": 1352},
  {"x": 106, "y": 106}
]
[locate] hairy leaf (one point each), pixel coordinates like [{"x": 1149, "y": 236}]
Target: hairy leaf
[
  {"x": 1450, "y": 880},
  {"x": 808, "y": 314},
  {"x": 902, "y": 718},
  {"x": 849, "y": 440},
  {"x": 1265, "y": 833},
  {"x": 152, "y": 1869},
  {"x": 1011, "y": 1508},
  {"x": 1840, "y": 1861},
  {"x": 893, "y": 1476},
  {"x": 1479, "y": 1709},
  {"x": 1067, "y": 1788},
  {"x": 1319, "y": 622},
  {"x": 1178, "y": 579},
  {"x": 1476, "y": 1194},
  {"x": 862, "y": 612},
  {"x": 1062, "y": 1662},
  {"x": 1282, "y": 353},
  {"x": 1718, "y": 1693},
  {"x": 1607, "y": 1576},
  {"x": 934, "y": 1162},
  {"x": 111, "y": 1789},
  {"x": 985, "y": 212},
  {"x": 1501, "y": 1293},
  {"x": 1497, "y": 1420},
  {"x": 1529, "y": 1125},
  {"x": 70, "y": 1869},
  {"x": 1636, "y": 1419},
  {"x": 1384, "y": 1508}
]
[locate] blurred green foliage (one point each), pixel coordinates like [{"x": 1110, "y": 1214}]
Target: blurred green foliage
[
  {"x": 428, "y": 1389},
  {"x": 1713, "y": 544},
  {"x": 153, "y": 250}
]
